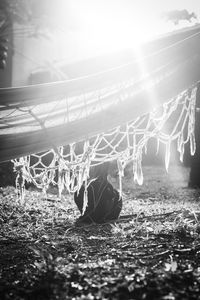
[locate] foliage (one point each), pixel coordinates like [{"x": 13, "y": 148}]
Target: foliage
[{"x": 36, "y": 12}]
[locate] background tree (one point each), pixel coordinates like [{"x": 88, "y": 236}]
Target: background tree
[{"x": 37, "y": 17}]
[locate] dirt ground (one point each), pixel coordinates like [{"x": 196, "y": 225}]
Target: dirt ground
[{"x": 151, "y": 252}]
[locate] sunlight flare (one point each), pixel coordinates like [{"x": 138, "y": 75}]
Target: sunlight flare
[{"x": 114, "y": 25}]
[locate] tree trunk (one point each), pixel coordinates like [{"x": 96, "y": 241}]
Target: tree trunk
[{"x": 194, "y": 180}]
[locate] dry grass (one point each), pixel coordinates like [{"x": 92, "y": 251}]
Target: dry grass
[{"x": 151, "y": 252}]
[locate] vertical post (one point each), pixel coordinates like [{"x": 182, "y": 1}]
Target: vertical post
[{"x": 194, "y": 180}]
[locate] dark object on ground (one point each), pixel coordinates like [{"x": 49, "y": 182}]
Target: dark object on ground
[
  {"x": 7, "y": 175},
  {"x": 104, "y": 202},
  {"x": 194, "y": 180}
]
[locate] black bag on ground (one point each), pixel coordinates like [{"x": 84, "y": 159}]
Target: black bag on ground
[{"x": 104, "y": 202}]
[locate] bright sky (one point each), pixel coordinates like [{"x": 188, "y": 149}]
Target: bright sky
[
  {"x": 98, "y": 26},
  {"x": 111, "y": 24}
]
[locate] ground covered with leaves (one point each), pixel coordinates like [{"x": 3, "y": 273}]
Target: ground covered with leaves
[{"x": 151, "y": 252}]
